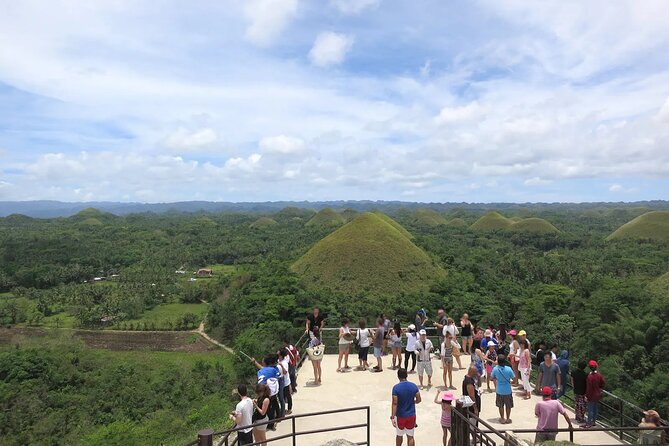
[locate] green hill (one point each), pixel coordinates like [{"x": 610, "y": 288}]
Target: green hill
[
  {"x": 263, "y": 222},
  {"x": 649, "y": 226},
  {"x": 457, "y": 223},
  {"x": 516, "y": 219},
  {"x": 533, "y": 225},
  {"x": 492, "y": 221},
  {"x": 429, "y": 217},
  {"x": 367, "y": 255},
  {"x": 91, "y": 222},
  {"x": 326, "y": 217},
  {"x": 349, "y": 214},
  {"x": 89, "y": 213},
  {"x": 394, "y": 224},
  {"x": 291, "y": 212},
  {"x": 660, "y": 286}
]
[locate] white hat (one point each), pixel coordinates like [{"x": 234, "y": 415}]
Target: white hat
[
  {"x": 412, "y": 327},
  {"x": 422, "y": 332}
]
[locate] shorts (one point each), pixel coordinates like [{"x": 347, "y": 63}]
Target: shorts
[
  {"x": 405, "y": 426},
  {"x": 262, "y": 427},
  {"x": 466, "y": 338},
  {"x": 504, "y": 400},
  {"x": 377, "y": 352},
  {"x": 424, "y": 367},
  {"x": 447, "y": 360},
  {"x": 488, "y": 369},
  {"x": 397, "y": 344},
  {"x": 545, "y": 436},
  {"x": 362, "y": 353},
  {"x": 344, "y": 348}
]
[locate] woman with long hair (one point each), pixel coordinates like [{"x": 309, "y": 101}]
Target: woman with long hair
[
  {"x": 316, "y": 363},
  {"x": 260, "y": 408},
  {"x": 344, "y": 345},
  {"x": 396, "y": 345},
  {"x": 447, "y": 361},
  {"x": 525, "y": 368},
  {"x": 410, "y": 350},
  {"x": 467, "y": 333}
]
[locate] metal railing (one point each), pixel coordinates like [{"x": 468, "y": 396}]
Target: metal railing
[{"x": 206, "y": 436}]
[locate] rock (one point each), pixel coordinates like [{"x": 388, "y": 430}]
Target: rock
[{"x": 339, "y": 442}]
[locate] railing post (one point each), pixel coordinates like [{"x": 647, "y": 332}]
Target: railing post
[
  {"x": 571, "y": 433},
  {"x": 369, "y": 427},
  {"x": 205, "y": 437},
  {"x": 622, "y": 421},
  {"x": 292, "y": 423}
]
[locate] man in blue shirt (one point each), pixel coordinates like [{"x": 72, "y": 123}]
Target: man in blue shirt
[
  {"x": 269, "y": 374},
  {"x": 403, "y": 415},
  {"x": 503, "y": 374}
]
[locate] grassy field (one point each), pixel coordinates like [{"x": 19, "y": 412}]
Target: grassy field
[
  {"x": 161, "y": 316},
  {"x": 60, "y": 320}
]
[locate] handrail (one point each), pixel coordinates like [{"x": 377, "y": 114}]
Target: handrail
[{"x": 205, "y": 437}]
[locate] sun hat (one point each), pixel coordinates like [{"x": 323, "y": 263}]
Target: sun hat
[
  {"x": 547, "y": 391},
  {"x": 491, "y": 344},
  {"x": 447, "y": 396},
  {"x": 522, "y": 333},
  {"x": 422, "y": 332},
  {"x": 652, "y": 416},
  {"x": 488, "y": 333},
  {"x": 593, "y": 363},
  {"x": 412, "y": 327},
  {"x": 513, "y": 332}
]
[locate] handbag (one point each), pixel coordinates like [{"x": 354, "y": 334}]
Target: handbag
[{"x": 316, "y": 353}]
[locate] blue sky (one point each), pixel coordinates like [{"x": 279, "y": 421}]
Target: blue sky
[{"x": 334, "y": 99}]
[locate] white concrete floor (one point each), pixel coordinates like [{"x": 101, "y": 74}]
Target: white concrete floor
[{"x": 364, "y": 388}]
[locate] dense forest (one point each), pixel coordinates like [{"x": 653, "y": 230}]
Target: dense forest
[{"x": 607, "y": 299}]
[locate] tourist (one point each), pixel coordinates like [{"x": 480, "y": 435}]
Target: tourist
[
  {"x": 522, "y": 336},
  {"x": 316, "y": 362},
  {"x": 363, "y": 336},
  {"x": 478, "y": 361},
  {"x": 314, "y": 320},
  {"x": 467, "y": 333},
  {"x": 424, "y": 348},
  {"x": 269, "y": 374},
  {"x": 487, "y": 337},
  {"x": 284, "y": 364},
  {"x": 651, "y": 420},
  {"x": 447, "y": 361},
  {"x": 490, "y": 362},
  {"x": 243, "y": 416},
  {"x": 344, "y": 345},
  {"x": 547, "y": 411},
  {"x": 420, "y": 319},
  {"x": 579, "y": 379},
  {"x": 593, "y": 392},
  {"x": 514, "y": 355},
  {"x": 503, "y": 374},
  {"x": 554, "y": 352},
  {"x": 563, "y": 363},
  {"x": 451, "y": 329},
  {"x": 446, "y": 402},
  {"x": 386, "y": 333},
  {"x": 410, "y": 349},
  {"x": 549, "y": 374},
  {"x": 500, "y": 337},
  {"x": 470, "y": 388},
  {"x": 403, "y": 410},
  {"x": 539, "y": 356},
  {"x": 478, "y": 336},
  {"x": 294, "y": 356},
  {"x": 396, "y": 345},
  {"x": 525, "y": 368},
  {"x": 261, "y": 407},
  {"x": 379, "y": 336},
  {"x": 440, "y": 323}
]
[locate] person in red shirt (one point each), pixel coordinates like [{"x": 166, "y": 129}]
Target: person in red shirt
[
  {"x": 593, "y": 392},
  {"x": 293, "y": 356}
]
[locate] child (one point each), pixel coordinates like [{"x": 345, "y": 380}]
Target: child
[
  {"x": 490, "y": 361},
  {"x": 446, "y": 413}
]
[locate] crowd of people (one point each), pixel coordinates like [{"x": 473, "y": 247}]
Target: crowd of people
[{"x": 501, "y": 358}]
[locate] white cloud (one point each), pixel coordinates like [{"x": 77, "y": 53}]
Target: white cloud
[
  {"x": 183, "y": 139},
  {"x": 425, "y": 69},
  {"x": 663, "y": 114},
  {"x": 616, "y": 188},
  {"x": 536, "y": 181},
  {"x": 469, "y": 112},
  {"x": 330, "y": 49},
  {"x": 268, "y": 18},
  {"x": 354, "y": 6},
  {"x": 282, "y": 145}
]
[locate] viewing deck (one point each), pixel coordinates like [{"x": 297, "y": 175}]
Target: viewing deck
[{"x": 364, "y": 388}]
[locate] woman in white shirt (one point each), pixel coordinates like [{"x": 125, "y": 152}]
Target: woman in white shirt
[
  {"x": 344, "y": 345},
  {"x": 410, "y": 350},
  {"x": 363, "y": 335}
]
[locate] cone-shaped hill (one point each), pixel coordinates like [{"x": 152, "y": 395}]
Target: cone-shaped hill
[
  {"x": 394, "y": 224},
  {"x": 457, "y": 223},
  {"x": 367, "y": 255},
  {"x": 292, "y": 212},
  {"x": 649, "y": 226},
  {"x": 349, "y": 214},
  {"x": 533, "y": 225},
  {"x": 326, "y": 217},
  {"x": 263, "y": 222},
  {"x": 429, "y": 217},
  {"x": 492, "y": 221},
  {"x": 91, "y": 221},
  {"x": 91, "y": 214}
]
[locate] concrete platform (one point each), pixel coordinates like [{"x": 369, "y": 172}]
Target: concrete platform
[{"x": 362, "y": 388}]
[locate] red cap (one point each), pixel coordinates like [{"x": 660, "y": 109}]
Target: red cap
[
  {"x": 547, "y": 391},
  {"x": 593, "y": 363}
]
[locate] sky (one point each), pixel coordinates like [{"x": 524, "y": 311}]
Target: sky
[{"x": 267, "y": 100}]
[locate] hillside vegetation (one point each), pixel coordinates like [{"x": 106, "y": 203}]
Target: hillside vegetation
[
  {"x": 492, "y": 221},
  {"x": 457, "y": 223},
  {"x": 649, "y": 226},
  {"x": 263, "y": 222},
  {"x": 429, "y": 217},
  {"x": 326, "y": 218},
  {"x": 533, "y": 226},
  {"x": 367, "y": 255}
]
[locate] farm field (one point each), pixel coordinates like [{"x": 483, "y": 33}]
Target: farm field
[{"x": 167, "y": 317}]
